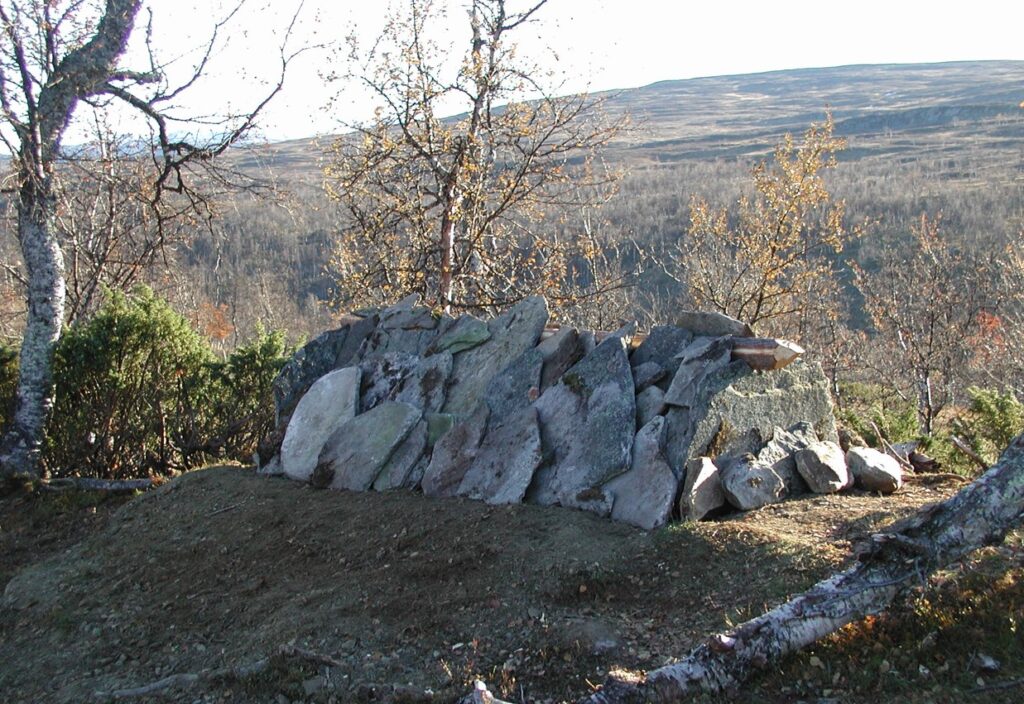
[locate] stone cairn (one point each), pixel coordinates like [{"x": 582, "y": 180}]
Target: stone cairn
[{"x": 687, "y": 421}]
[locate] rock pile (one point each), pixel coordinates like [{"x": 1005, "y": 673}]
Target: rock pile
[{"x": 507, "y": 411}]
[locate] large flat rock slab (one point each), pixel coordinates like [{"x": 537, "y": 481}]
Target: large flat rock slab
[
  {"x": 644, "y": 496},
  {"x": 506, "y": 460},
  {"x": 454, "y": 453},
  {"x": 587, "y": 424},
  {"x": 358, "y": 450},
  {"x": 328, "y": 404},
  {"x": 510, "y": 335}
]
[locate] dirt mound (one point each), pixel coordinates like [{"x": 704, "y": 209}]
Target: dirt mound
[{"x": 221, "y": 567}]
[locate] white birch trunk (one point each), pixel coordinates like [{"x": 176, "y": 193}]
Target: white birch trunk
[{"x": 44, "y": 262}]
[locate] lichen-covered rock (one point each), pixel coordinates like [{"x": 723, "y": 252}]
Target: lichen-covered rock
[
  {"x": 663, "y": 345},
  {"x": 711, "y": 324},
  {"x": 506, "y": 460},
  {"x": 454, "y": 454},
  {"x": 823, "y": 467},
  {"x": 649, "y": 403},
  {"x": 396, "y": 472},
  {"x": 702, "y": 490},
  {"x": 874, "y": 470},
  {"x": 404, "y": 328},
  {"x": 646, "y": 374},
  {"x": 511, "y": 334},
  {"x": 327, "y": 405},
  {"x": 737, "y": 398},
  {"x": 382, "y": 375},
  {"x": 357, "y": 451},
  {"x": 463, "y": 333},
  {"x": 426, "y": 384},
  {"x": 644, "y": 496},
  {"x": 701, "y": 358},
  {"x": 331, "y": 350},
  {"x": 748, "y": 485},
  {"x": 587, "y": 423},
  {"x": 779, "y": 454},
  {"x": 516, "y": 386}
]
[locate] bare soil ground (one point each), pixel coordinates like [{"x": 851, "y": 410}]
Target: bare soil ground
[{"x": 413, "y": 598}]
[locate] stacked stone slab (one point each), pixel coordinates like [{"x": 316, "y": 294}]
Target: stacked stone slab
[{"x": 507, "y": 411}]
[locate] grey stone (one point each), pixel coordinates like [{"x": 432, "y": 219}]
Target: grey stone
[
  {"x": 454, "y": 454},
  {"x": 644, "y": 495},
  {"x": 271, "y": 468},
  {"x": 331, "y": 350},
  {"x": 403, "y": 328},
  {"x": 426, "y": 384},
  {"x": 437, "y": 425},
  {"x": 516, "y": 386},
  {"x": 325, "y": 407},
  {"x": 741, "y": 400},
  {"x": 702, "y": 357},
  {"x": 382, "y": 376},
  {"x": 587, "y": 424},
  {"x": 357, "y": 451},
  {"x": 396, "y": 471},
  {"x": 748, "y": 485},
  {"x": 508, "y": 456},
  {"x": 560, "y": 352},
  {"x": 588, "y": 341},
  {"x": 779, "y": 453},
  {"x": 464, "y": 333},
  {"x": 713, "y": 324},
  {"x": 511, "y": 334},
  {"x": 647, "y": 374},
  {"x": 873, "y": 470},
  {"x": 702, "y": 490},
  {"x": 662, "y": 346},
  {"x": 650, "y": 403},
  {"x": 823, "y": 467}
]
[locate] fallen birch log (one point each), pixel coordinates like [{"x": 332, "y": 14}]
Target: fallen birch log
[{"x": 980, "y": 514}]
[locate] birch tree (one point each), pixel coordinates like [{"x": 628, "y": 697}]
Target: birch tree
[
  {"x": 58, "y": 60},
  {"x": 450, "y": 207}
]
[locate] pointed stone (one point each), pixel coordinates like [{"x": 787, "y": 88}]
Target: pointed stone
[
  {"x": 644, "y": 495},
  {"x": 766, "y": 354},
  {"x": 510, "y": 391},
  {"x": 357, "y": 451},
  {"x": 511, "y": 334},
  {"x": 702, "y": 490},
  {"x": 560, "y": 351},
  {"x": 587, "y": 423},
  {"x": 507, "y": 458},
  {"x": 396, "y": 471},
  {"x": 454, "y": 454},
  {"x": 328, "y": 405}
]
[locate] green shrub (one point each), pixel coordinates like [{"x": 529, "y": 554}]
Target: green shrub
[
  {"x": 867, "y": 406},
  {"x": 123, "y": 380},
  {"x": 992, "y": 420},
  {"x": 140, "y": 392},
  {"x": 8, "y": 382},
  {"x": 241, "y": 405}
]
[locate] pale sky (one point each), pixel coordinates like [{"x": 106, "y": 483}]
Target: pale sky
[{"x": 600, "y": 44}]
